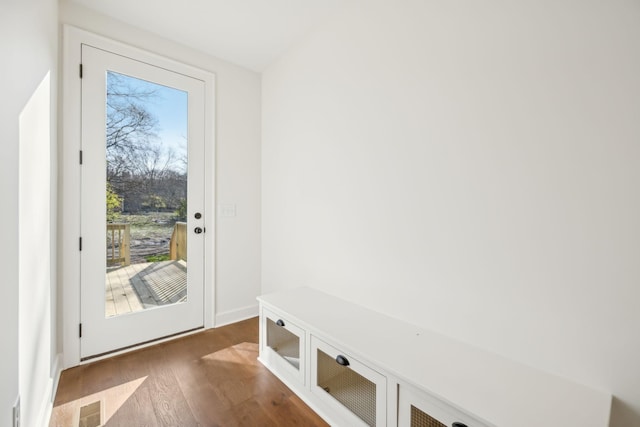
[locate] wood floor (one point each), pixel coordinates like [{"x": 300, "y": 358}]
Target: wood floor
[{"x": 207, "y": 379}]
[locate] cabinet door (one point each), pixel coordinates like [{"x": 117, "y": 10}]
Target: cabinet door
[
  {"x": 282, "y": 345},
  {"x": 355, "y": 392},
  {"x": 418, "y": 409}
]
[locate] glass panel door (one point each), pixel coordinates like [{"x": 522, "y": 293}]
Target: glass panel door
[{"x": 142, "y": 207}]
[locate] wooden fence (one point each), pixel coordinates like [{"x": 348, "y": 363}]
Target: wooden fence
[
  {"x": 118, "y": 246},
  {"x": 178, "y": 244}
]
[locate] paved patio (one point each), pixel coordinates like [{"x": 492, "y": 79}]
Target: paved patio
[{"x": 139, "y": 286}]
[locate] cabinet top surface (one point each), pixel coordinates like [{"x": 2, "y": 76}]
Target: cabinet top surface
[{"x": 493, "y": 388}]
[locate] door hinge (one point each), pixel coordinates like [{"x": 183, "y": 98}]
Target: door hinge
[
  {"x": 80, "y": 330},
  {"x": 80, "y": 243},
  {"x": 80, "y": 70},
  {"x": 80, "y": 156}
]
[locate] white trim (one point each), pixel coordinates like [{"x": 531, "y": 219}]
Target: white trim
[
  {"x": 70, "y": 199},
  {"x": 141, "y": 346},
  {"x": 56, "y": 370},
  {"x": 233, "y": 316},
  {"x": 70, "y": 177},
  {"x": 46, "y": 405},
  {"x": 210, "y": 202}
]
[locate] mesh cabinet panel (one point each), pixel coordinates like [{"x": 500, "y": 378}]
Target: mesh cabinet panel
[
  {"x": 348, "y": 387},
  {"x": 422, "y": 419},
  {"x": 283, "y": 342}
]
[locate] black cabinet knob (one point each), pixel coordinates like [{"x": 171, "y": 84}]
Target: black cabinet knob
[
  {"x": 197, "y": 230},
  {"x": 457, "y": 424},
  {"x": 197, "y": 215},
  {"x": 341, "y": 360},
  {"x": 280, "y": 322}
]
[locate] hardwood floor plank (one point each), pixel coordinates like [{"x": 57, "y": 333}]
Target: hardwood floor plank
[{"x": 207, "y": 379}]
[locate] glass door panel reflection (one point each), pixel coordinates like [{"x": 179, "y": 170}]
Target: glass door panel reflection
[{"x": 146, "y": 194}]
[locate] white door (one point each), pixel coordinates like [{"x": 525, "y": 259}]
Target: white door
[{"x": 142, "y": 202}]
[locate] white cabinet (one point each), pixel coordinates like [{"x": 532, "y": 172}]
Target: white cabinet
[
  {"x": 418, "y": 409},
  {"x": 356, "y": 367},
  {"x": 357, "y": 392},
  {"x": 282, "y": 345}
]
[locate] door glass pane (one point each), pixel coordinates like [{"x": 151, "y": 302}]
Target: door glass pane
[{"x": 146, "y": 195}]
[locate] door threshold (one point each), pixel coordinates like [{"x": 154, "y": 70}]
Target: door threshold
[{"x": 139, "y": 346}]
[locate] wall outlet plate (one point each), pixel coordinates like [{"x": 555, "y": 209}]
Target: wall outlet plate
[{"x": 16, "y": 413}]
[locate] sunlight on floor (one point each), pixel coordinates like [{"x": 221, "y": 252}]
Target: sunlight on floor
[{"x": 68, "y": 414}]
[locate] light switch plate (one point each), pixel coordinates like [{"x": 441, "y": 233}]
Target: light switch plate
[{"x": 226, "y": 211}]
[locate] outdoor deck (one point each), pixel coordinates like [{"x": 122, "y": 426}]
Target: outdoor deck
[{"x": 139, "y": 286}]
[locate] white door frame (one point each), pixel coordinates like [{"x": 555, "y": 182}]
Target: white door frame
[{"x": 69, "y": 227}]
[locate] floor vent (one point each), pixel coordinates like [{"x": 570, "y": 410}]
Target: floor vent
[{"x": 90, "y": 415}]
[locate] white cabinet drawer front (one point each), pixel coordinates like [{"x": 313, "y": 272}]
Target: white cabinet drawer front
[
  {"x": 418, "y": 409},
  {"x": 283, "y": 345},
  {"x": 357, "y": 392}
]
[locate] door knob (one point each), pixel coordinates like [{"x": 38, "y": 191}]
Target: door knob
[
  {"x": 197, "y": 230},
  {"x": 198, "y": 215}
]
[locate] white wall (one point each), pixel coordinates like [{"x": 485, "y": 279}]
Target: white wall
[
  {"x": 237, "y": 174},
  {"x": 35, "y": 237},
  {"x": 471, "y": 167},
  {"x": 28, "y": 48}
]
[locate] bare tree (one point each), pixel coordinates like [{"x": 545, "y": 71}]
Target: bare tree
[
  {"x": 139, "y": 166},
  {"x": 130, "y": 126}
]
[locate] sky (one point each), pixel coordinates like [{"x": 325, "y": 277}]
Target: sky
[{"x": 170, "y": 108}]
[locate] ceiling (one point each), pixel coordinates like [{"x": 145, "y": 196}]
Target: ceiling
[{"x": 250, "y": 33}]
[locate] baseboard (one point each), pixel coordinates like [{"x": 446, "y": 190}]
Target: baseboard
[
  {"x": 56, "y": 371},
  {"x": 233, "y": 316},
  {"x": 46, "y": 408}
]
